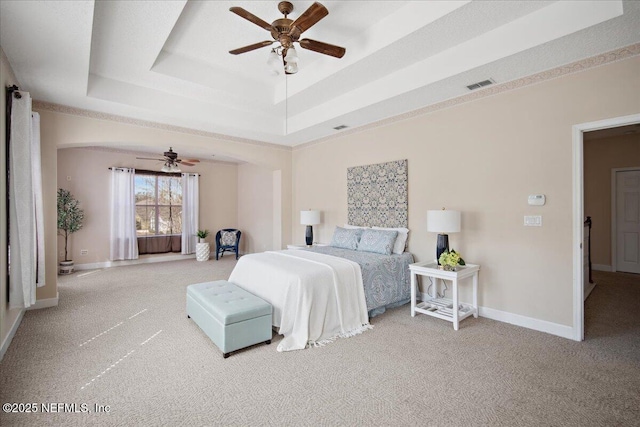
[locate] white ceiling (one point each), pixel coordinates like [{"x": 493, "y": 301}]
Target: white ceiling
[{"x": 168, "y": 61}]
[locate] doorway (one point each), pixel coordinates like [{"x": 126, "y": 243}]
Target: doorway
[{"x": 579, "y": 211}]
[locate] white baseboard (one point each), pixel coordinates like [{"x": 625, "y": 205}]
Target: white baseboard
[
  {"x": 601, "y": 267},
  {"x": 144, "y": 259},
  {"x": 45, "y": 303},
  {"x": 11, "y": 334},
  {"x": 588, "y": 290},
  {"x": 524, "y": 321},
  {"x": 528, "y": 322},
  {"x": 41, "y": 303}
]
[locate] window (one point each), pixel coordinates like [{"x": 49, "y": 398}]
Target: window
[{"x": 158, "y": 204}]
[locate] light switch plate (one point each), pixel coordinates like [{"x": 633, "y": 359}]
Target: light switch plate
[{"x": 533, "y": 220}]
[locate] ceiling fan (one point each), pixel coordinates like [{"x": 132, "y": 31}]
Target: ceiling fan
[
  {"x": 171, "y": 161},
  {"x": 286, "y": 32}
]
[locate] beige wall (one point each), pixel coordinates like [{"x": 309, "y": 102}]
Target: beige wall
[
  {"x": 600, "y": 156},
  {"x": 49, "y": 158},
  {"x": 255, "y": 208},
  {"x": 84, "y": 172},
  {"x": 74, "y": 131},
  {"x": 484, "y": 158}
]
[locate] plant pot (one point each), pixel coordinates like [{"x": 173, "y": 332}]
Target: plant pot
[
  {"x": 203, "y": 251},
  {"x": 202, "y": 240},
  {"x": 65, "y": 267}
]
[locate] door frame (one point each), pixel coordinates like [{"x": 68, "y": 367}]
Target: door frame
[
  {"x": 614, "y": 214},
  {"x": 578, "y": 211}
]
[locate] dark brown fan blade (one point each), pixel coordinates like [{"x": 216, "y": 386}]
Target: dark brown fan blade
[
  {"x": 148, "y": 158},
  {"x": 310, "y": 17},
  {"x": 321, "y": 47},
  {"x": 191, "y": 160},
  {"x": 250, "y": 17},
  {"x": 250, "y": 47},
  {"x": 182, "y": 162}
]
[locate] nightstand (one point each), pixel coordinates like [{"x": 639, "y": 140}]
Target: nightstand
[
  {"x": 443, "y": 308},
  {"x": 305, "y": 246}
]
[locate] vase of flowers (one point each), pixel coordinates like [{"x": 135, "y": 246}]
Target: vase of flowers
[{"x": 450, "y": 260}]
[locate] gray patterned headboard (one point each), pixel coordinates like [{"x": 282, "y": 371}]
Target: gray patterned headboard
[{"x": 377, "y": 195}]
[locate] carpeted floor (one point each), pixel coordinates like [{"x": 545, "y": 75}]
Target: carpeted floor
[{"x": 120, "y": 337}]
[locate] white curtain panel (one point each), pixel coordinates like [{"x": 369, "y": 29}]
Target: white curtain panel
[
  {"x": 36, "y": 176},
  {"x": 123, "y": 239},
  {"x": 22, "y": 279},
  {"x": 190, "y": 209}
]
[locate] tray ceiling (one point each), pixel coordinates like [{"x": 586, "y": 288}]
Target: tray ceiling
[{"x": 168, "y": 61}]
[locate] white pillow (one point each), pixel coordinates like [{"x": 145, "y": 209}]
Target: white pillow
[
  {"x": 353, "y": 226},
  {"x": 401, "y": 240}
]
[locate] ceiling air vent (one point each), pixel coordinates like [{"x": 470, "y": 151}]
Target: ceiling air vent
[
  {"x": 341, "y": 127},
  {"x": 480, "y": 84}
]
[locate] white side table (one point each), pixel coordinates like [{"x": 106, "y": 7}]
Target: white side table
[
  {"x": 202, "y": 251},
  {"x": 443, "y": 308},
  {"x": 305, "y": 246}
]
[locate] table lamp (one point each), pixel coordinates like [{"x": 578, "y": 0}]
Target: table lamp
[
  {"x": 443, "y": 222},
  {"x": 309, "y": 218}
]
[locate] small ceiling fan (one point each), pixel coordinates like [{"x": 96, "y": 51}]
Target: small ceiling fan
[
  {"x": 171, "y": 161},
  {"x": 286, "y": 32}
]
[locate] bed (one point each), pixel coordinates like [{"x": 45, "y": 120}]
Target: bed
[
  {"x": 386, "y": 278},
  {"x": 324, "y": 293}
]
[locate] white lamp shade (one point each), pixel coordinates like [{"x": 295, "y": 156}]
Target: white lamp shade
[
  {"x": 274, "y": 62},
  {"x": 291, "y": 56},
  {"x": 291, "y": 67},
  {"x": 443, "y": 221},
  {"x": 309, "y": 217}
]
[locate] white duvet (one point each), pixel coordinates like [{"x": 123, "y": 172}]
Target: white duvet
[{"x": 316, "y": 298}]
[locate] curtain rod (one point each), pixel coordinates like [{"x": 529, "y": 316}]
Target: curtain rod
[
  {"x": 154, "y": 172},
  {"x": 14, "y": 90}
]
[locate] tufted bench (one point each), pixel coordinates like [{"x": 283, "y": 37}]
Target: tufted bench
[{"x": 232, "y": 317}]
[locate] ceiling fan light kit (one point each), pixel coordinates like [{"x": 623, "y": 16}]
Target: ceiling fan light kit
[
  {"x": 172, "y": 162},
  {"x": 170, "y": 168},
  {"x": 287, "y": 32}
]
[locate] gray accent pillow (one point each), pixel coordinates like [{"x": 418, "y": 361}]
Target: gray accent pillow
[
  {"x": 228, "y": 238},
  {"x": 346, "y": 238},
  {"x": 377, "y": 241}
]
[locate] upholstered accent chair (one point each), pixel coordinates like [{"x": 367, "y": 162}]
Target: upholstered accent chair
[{"x": 227, "y": 239}]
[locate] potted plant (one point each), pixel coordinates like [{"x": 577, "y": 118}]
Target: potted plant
[
  {"x": 202, "y": 248},
  {"x": 450, "y": 260},
  {"x": 70, "y": 218},
  {"x": 202, "y": 235}
]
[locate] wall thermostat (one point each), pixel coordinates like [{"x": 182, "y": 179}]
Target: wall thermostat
[{"x": 537, "y": 199}]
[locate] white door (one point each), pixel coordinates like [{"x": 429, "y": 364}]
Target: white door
[{"x": 628, "y": 221}]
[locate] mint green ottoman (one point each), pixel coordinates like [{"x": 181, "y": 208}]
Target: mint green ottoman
[{"x": 232, "y": 317}]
